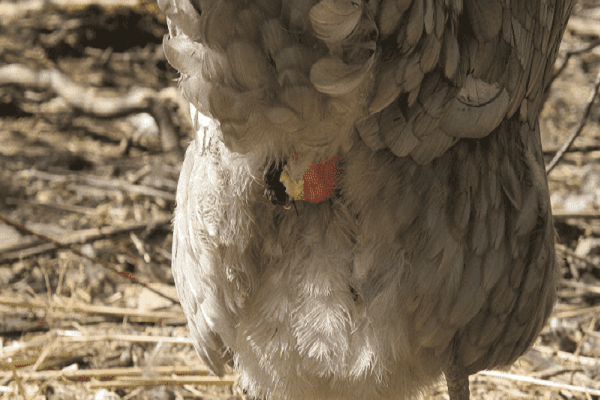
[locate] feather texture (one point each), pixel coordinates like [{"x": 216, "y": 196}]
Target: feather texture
[{"x": 426, "y": 238}]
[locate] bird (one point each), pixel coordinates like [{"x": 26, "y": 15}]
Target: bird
[{"x": 364, "y": 208}]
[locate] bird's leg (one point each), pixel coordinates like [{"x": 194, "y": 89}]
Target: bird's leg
[{"x": 457, "y": 380}]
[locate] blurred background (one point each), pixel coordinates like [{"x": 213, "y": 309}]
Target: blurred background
[{"x": 92, "y": 137}]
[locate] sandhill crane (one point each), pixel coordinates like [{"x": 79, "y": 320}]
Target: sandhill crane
[{"x": 405, "y": 135}]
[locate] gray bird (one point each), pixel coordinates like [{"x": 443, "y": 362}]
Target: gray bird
[{"x": 405, "y": 135}]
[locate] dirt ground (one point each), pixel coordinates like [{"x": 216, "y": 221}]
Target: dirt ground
[{"x": 92, "y": 137}]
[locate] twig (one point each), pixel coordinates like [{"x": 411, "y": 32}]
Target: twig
[
  {"x": 556, "y": 371},
  {"x": 559, "y": 216},
  {"x": 584, "y": 26},
  {"x": 584, "y": 338},
  {"x": 583, "y": 288},
  {"x": 577, "y": 312},
  {"x": 227, "y": 380},
  {"x": 78, "y": 337},
  {"x": 90, "y": 101},
  {"x": 591, "y": 46},
  {"x": 75, "y": 336},
  {"x": 99, "y": 182},
  {"x": 41, "y": 358},
  {"x": 540, "y": 382},
  {"x": 139, "y": 245},
  {"x": 82, "y": 237},
  {"x": 17, "y": 378},
  {"x": 71, "y": 208},
  {"x": 587, "y": 110},
  {"x": 569, "y": 357},
  {"x": 574, "y": 149},
  {"x": 76, "y": 237},
  {"x": 87, "y": 99},
  {"x": 10, "y": 10},
  {"x": 171, "y": 317},
  {"x": 571, "y": 253},
  {"x": 85, "y": 375}
]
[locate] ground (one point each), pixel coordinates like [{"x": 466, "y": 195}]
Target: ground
[{"x": 91, "y": 143}]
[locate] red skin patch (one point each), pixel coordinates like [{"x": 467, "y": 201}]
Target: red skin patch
[{"x": 319, "y": 180}]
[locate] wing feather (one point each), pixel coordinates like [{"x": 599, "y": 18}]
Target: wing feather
[
  {"x": 190, "y": 287},
  {"x": 503, "y": 47}
]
